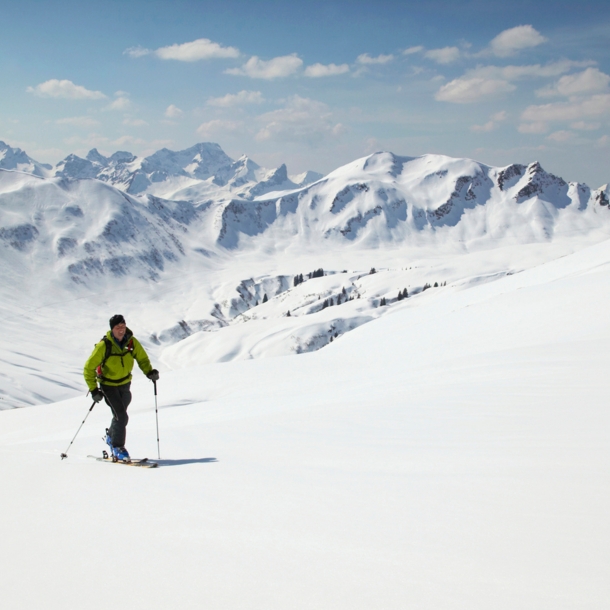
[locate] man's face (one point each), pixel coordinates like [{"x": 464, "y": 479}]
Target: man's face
[{"x": 119, "y": 331}]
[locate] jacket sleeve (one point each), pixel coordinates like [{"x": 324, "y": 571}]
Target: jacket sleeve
[
  {"x": 139, "y": 353},
  {"x": 92, "y": 363}
]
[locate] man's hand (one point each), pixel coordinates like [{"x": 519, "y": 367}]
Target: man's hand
[
  {"x": 97, "y": 394},
  {"x": 153, "y": 375}
]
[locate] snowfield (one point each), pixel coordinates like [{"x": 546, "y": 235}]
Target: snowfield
[
  {"x": 453, "y": 455},
  {"x": 384, "y": 388}
]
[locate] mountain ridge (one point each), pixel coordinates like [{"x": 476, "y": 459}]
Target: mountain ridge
[{"x": 90, "y": 227}]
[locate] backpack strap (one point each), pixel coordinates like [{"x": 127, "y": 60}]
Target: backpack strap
[{"x": 107, "y": 354}]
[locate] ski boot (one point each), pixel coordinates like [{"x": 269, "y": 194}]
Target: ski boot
[{"x": 121, "y": 454}]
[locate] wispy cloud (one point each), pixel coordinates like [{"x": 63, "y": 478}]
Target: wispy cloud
[
  {"x": 366, "y": 60},
  {"x": 173, "y": 112},
  {"x": 485, "y": 83},
  {"x": 278, "y": 67},
  {"x": 320, "y": 70},
  {"x": 301, "y": 120},
  {"x": 445, "y": 55},
  {"x": 134, "y": 122},
  {"x": 596, "y": 106},
  {"x": 65, "y": 89},
  {"x": 561, "y": 136},
  {"x": 200, "y": 49},
  {"x": 469, "y": 90},
  {"x": 492, "y": 124},
  {"x": 584, "y": 126},
  {"x": 219, "y": 127},
  {"x": 79, "y": 121},
  {"x": 236, "y": 99},
  {"x": 121, "y": 103},
  {"x": 537, "y": 127},
  {"x": 412, "y": 50}
]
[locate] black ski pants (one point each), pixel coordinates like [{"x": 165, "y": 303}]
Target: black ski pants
[{"x": 118, "y": 398}]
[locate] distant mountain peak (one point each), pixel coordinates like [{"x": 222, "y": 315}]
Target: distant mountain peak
[{"x": 17, "y": 159}]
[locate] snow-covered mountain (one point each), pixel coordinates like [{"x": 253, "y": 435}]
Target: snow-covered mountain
[
  {"x": 386, "y": 198},
  {"x": 236, "y": 277},
  {"x": 86, "y": 229},
  {"x": 204, "y": 170},
  {"x": 17, "y": 159},
  {"x": 447, "y": 448}
]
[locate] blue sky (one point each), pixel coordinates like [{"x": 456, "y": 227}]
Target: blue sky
[{"x": 312, "y": 84}]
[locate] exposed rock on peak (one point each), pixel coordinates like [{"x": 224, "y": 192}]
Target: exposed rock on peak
[
  {"x": 538, "y": 181},
  {"x": 16, "y": 159}
]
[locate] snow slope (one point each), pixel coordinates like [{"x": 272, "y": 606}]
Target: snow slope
[{"x": 451, "y": 454}]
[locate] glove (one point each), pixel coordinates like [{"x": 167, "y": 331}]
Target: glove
[
  {"x": 97, "y": 394},
  {"x": 153, "y": 375}
]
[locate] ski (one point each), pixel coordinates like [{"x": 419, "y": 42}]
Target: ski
[{"x": 142, "y": 463}]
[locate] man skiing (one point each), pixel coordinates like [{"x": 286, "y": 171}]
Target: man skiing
[{"x": 110, "y": 364}]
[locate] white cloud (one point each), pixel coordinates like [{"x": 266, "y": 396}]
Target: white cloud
[
  {"x": 173, "y": 112},
  {"x": 128, "y": 140},
  {"x": 79, "y": 121},
  {"x": 596, "y": 106},
  {"x": 277, "y": 67},
  {"x": 489, "y": 82},
  {"x": 514, "y": 73},
  {"x": 218, "y": 127},
  {"x": 589, "y": 81},
  {"x": 537, "y": 127},
  {"x": 121, "y": 103},
  {"x": 202, "y": 48},
  {"x": 603, "y": 141},
  {"x": 237, "y": 99},
  {"x": 446, "y": 55},
  {"x": 496, "y": 118},
  {"x": 515, "y": 39},
  {"x": 65, "y": 89},
  {"x": 499, "y": 116},
  {"x": 137, "y": 51},
  {"x": 367, "y": 60},
  {"x": 489, "y": 126},
  {"x": 561, "y": 136},
  {"x": 469, "y": 90},
  {"x": 318, "y": 70},
  {"x": 93, "y": 140},
  {"x": 301, "y": 120},
  {"x": 583, "y": 126},
  {"x": 412, "y": 50},
  {"x": 134, "y": 122}
]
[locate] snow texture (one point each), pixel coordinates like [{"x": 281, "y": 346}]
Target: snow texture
[{"x": 380, "y": 388}]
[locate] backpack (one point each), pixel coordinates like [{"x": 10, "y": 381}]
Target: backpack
[{"x": 107, "y": 355}]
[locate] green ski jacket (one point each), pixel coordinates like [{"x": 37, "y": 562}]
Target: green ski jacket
[{"x": 119, "y": 364}]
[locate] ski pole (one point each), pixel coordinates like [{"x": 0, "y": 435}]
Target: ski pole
[
  {"x": 157, "y": 418},
  {"x": 65, "y": 455}
]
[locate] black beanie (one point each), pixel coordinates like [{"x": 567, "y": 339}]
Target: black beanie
[{"x": 116, "y": 319}]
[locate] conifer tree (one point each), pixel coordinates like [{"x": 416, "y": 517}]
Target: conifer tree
[{"x": 265, "y": 299}]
